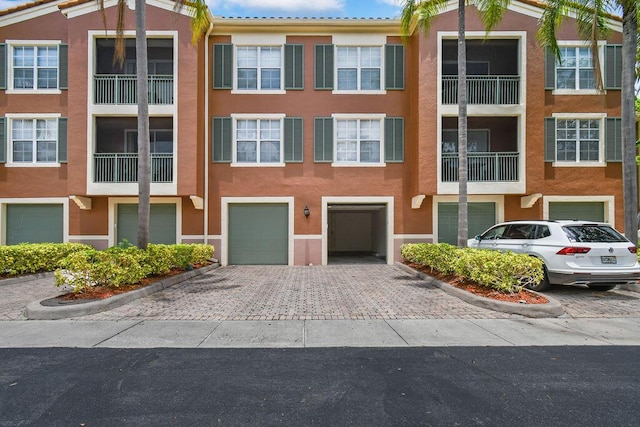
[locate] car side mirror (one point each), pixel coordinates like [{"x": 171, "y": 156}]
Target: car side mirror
[{"x": 478, "y": 237}]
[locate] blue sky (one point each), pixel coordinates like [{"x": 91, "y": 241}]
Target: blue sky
[{"x": 308, "y": 8}]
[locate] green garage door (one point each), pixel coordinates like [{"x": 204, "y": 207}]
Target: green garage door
[
  {"x": 162, "y": 223},
  {"x": 34, "y": 224},
  {"x": 482, "y": 215},
  {"x": 258, "y": 233},
  {"x": 588, "y": 211}
]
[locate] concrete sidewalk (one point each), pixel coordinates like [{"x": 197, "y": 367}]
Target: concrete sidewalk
[{"x": 320, "y": 333}]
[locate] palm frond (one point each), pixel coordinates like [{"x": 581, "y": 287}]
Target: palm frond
[
  {"x": 491, "y": 12},
  {"x": 421, "y": 14}
]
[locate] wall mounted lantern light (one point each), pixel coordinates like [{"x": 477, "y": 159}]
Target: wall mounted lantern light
[{"x": 306, "y": 211}]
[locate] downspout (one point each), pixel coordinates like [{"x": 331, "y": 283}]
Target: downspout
[{"x": 206, "y": 131}]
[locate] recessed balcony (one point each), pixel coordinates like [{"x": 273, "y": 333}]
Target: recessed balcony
[
  {"x": 115, "y": 158},
  {"x": 492, "y": 150},
  {"x": 492, "y": 72},
  {"x": 116, "y": 84}
]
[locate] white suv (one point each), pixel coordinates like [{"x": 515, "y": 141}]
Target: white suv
[{"x": 573, "y": 252}]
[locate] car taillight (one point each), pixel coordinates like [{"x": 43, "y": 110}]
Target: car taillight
[
  {"x": 572, "y": 251},
  {"x": 633, "y": 249}
]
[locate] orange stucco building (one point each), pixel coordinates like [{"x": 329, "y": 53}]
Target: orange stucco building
[{"x": 289, "y": 141}]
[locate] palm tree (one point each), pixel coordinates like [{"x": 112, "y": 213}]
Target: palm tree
[
  {"x": 593, "y": 18},
  {"x": 422, "y": 13},
  {"x": 199, "y": 24}
]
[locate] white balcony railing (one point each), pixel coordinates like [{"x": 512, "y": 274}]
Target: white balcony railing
[
  {"x": 120, "y": 89},
  {"x": 485, "y": 90},
  {"x": 123, "y": 168},
  {"x": 482, "y": 167}
]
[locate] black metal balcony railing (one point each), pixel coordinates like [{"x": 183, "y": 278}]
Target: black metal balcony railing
[
  {"x": 485, "y": 90},
  {"x": 482, "y": 167},
  {"x": 123, "y": 168},
  {"x": 120, "y": 89}
]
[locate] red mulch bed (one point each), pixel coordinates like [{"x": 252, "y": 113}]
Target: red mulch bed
[
  {"x": 524, "y": 296},
  {"x": 101, "y": 292}
]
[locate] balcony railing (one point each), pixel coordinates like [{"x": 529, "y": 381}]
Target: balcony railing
[
  {"x": 123, "y": 168},
  {"x": 486, "y": 90},
  {"x": 120, "y": 89},
  {"x": 482, "y": 167}
]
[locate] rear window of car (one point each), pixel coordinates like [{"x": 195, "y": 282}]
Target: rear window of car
[{"x": 593, "y": 233}]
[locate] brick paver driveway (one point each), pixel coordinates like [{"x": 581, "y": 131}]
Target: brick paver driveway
[{"x": 368, "y": 291}]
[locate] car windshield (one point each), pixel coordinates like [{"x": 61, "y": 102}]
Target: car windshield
[{"x": 593, "y": 233}]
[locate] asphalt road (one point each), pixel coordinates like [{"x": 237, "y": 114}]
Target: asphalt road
[{"x": 442, "y": 386}]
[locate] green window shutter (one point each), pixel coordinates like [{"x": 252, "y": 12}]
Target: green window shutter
[
  {"x": 323, "y": 67},
  {"x": 222, "y": 66},
  {"x": 222, "y": 140},
  {"x": 394, "y": 139},
  {"x": 293, "y": 66},
  {"x": 394, "y": 66},
  {"x": 62, "y": 140},
  {"x": 549, "y": 139},
  {"x": 613, "y": 139},
  {"x": 3, "y": 141},
  {"x": 63, "y": 62},
  {"x": 549, "y": 70},
  {"x": 293, "y": 140},
  {"x": 323, "y": 139},
  {"x": 613, "y": 67},
  {"x": 3, "y": 66}
]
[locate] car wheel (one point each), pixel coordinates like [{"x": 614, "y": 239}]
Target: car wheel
[
  {"x": 601, "y": 287},
  {"x": 542, "y": 285}
]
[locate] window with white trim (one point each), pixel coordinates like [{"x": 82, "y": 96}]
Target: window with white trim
[
  {"x": 359, "y": 68},
  {"x": 578, "y": 140},
  {"x": 574, "y": 69},
  {"x": 34, "y": 141},
  {"x": 358, "y": 141},
  {"x": 259, "y": 67},
  {"x": 35, "y": 67},
  {"x": 258, "y": 141}
]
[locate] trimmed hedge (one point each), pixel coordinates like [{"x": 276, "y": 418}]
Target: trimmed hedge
[
  {"x": 120, "y": 265},
  {"x": 30, "y": 258},
  {"x": 504, "y": 271}
]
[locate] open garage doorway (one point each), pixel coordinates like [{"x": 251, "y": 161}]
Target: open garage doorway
[{"x": 357, "y": 233}]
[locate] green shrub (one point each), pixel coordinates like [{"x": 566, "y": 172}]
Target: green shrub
[
  {"x": 124, "y": 264},
  {"x": 101, "y": 268},
  {"x": 28, "y": 258},
  {"x": 507, "y": 272}
]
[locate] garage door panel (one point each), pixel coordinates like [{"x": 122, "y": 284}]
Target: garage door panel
[
  {"x": 258, "y": 234},
  {"x": 587, "y": 211},
  {"x": 481, "y": 215},
  {"x": 162, "y": 223},
  {"x": 34, "y": 223}
]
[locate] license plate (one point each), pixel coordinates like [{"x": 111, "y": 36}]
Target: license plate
[{"x": 608, "y": 259}]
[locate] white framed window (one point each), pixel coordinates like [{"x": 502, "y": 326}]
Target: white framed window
[
  {"x": 359, "y": 140},
  {"x": 258, "y": 68},
  {"x": 574, "y": 69},
  {"x": 33, "y": 141},
  {"x": 258, "y": 141},
  {"x": 33, "y": 66},
  {"x": 578, "y": 140},
  {"x": 359, "y": 68}
]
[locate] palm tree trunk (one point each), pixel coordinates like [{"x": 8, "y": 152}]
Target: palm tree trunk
[
  {"x": 144, "y": 160},
  {"x": 463, "y": 220},
  {"x": 629, "y": 167}
]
